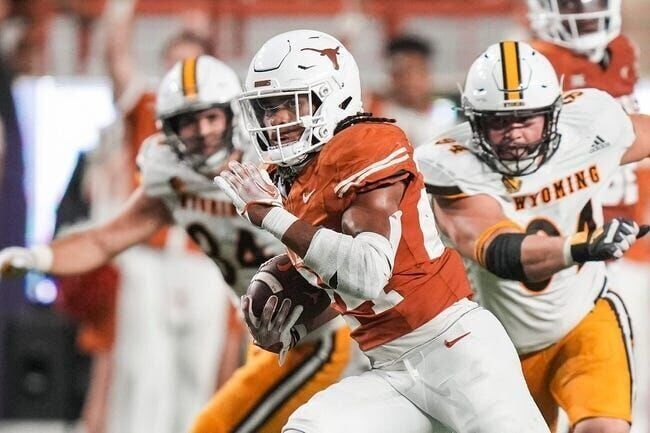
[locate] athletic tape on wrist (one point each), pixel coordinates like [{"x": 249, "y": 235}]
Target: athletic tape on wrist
[
  {"x": 278, "y": 221},
  {"x": 566, "y": 252}
]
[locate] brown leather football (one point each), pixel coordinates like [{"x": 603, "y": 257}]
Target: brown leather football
[{"x": 279, "y": 277}]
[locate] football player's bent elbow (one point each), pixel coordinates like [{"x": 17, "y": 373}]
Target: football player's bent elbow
[{"x": 359, "y": 266}]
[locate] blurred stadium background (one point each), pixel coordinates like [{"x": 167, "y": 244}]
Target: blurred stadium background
[{"x": 56, "y": 62}]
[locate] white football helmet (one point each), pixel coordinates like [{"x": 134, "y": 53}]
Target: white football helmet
[
  {"x": 193, "y": 85},
  {"x": 300, "y": 70},
  {"x": 511, "y": 79},
  {"x": 584, "y": 26}
]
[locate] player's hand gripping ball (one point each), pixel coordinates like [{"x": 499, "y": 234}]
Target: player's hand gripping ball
[{"x": 280, "y": 304}]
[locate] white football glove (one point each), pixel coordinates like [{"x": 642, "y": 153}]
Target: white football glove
[
  {"x": 246, "y": 184},
  {"x": 275, "y": 330},
  {"x": 16, "y": 260}
]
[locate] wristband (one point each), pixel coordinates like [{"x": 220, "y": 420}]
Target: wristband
[
  {"x": 277, "y": 221},
  {"x": 566, "y": 253},
  {"x": 576, "y": 248},
  {"x": 43, "y": 257}
]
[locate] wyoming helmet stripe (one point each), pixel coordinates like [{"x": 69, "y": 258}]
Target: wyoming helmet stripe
[
  {"x": 188, "y": 76},
  {"x": 510, "y": 68}
]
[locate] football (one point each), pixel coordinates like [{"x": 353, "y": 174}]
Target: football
[{"x": 279, "y": 277}]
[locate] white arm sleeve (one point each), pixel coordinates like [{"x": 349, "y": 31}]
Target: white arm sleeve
[{"x": 359, "y": 266}]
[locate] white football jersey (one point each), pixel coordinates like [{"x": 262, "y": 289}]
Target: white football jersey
[
  {"x": 561, "y": 198},
  {"x": 206, "y": 213}
]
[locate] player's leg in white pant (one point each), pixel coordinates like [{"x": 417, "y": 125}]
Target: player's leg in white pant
[
  {"x": 198, "y": 318},
  {"x": 365, "y": 403},
  {"x": 631, "y": 280},
  {"x": 142, "y": 360},
  {"x": 470, "y": 378},
  {"x": 167, "y": 343}
]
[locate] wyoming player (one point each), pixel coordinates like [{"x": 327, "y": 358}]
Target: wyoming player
[
  {"x": 583, "y": 42},
  {"x": 516, "y": 190}
]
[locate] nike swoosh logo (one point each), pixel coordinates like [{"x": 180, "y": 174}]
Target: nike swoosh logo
[
  {"x": 307, "y": 196},
  {"x": 449, "y": 343}
]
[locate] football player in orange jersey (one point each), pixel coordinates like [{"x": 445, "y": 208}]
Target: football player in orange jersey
[
  {"x": 582, "y": 40},
  {"x": 349, "y": 203}
]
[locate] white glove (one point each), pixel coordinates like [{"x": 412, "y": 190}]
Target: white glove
[
  {"x": 16, "y": 260},
  {"x": 274, "y": 331},
  {"x": 246, "y": 184}
]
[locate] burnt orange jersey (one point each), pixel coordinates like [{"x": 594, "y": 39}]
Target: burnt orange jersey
[
  {"x": 617, "y": 77},
  {"x": 427, "y": 277},
  {"x": 141, "y": 121}
]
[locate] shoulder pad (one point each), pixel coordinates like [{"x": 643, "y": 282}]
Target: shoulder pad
[
  {"x": 165, "y": 175},
  {"x": 156, "y": 161},
  {"x": 449, "y": 165},
  {"x": 598, "y": 120},
  {"x": 436, "y": 163},
  {"x": 593, "y": 108},
  {"x": 365, "y": 154}
]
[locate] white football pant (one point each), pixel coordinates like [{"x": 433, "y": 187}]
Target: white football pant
[
  {"x": 172, "y": 315},
  {"x": 468, "y": 379}
]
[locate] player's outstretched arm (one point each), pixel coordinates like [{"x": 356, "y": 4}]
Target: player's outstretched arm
[
  {"x": 90, "y": 248},
  {"x": 481, "y": 231}
]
